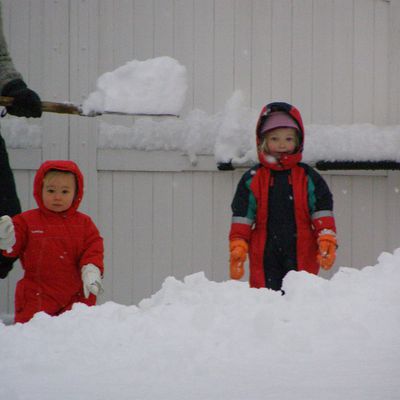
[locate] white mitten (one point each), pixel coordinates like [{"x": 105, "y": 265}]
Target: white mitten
[
  {"x": 7, "y": 234},
  {"x": 91, "y": 278}
]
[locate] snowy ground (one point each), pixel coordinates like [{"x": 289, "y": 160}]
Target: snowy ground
[{"x": 198, "y": 339}]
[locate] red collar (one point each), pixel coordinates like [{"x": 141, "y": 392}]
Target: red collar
[{"x": 286, "y": 162}]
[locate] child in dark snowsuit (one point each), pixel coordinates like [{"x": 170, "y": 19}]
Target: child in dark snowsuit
[
  {"x": 60, "y": 248},
  {"x": 282, "y": 208}
]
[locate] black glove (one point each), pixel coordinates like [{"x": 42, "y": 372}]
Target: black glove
[
  {"x": 26, "y": 102},
  {"x": 6, "y": 265}
]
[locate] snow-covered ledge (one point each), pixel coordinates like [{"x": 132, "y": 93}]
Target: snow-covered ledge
[
  {"x": 176, "y": 161},
  {"x": 156, "y": 160}
]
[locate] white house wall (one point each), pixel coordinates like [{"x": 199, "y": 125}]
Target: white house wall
[{"x": 337, "y": 60}]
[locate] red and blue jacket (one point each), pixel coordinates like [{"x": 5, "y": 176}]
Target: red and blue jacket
[{"x": 283, "y": 204}]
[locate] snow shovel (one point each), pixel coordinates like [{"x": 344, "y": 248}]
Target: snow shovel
[{"x": 73, "y": 109}]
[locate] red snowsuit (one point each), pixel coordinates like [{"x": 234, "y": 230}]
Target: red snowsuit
[
  {"x": 279, "y": 209},
  {"x": 53, "y": 247}
]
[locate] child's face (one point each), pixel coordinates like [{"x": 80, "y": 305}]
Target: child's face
[
  {"x": 280, "y": 141},
  {"x": 58, "y": 192}
]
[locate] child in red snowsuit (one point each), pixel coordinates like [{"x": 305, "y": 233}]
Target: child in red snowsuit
[
  {"x": 59, "y": 247},
  {"x": 282, "y": 208}
]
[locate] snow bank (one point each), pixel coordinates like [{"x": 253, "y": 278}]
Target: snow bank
[{"x": 199, "y": 339}]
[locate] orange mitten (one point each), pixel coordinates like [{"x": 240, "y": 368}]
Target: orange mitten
[
  {"x": 327, "y": 250},
  {"x": 239, "y": 250}
]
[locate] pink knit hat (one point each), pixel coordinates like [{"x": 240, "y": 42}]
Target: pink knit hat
[{"x": 278, "y": 119}]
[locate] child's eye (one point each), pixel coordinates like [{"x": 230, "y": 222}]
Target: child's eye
[{"x": 65, "y": 191}]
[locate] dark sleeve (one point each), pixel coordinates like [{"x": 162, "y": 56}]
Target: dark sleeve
[
  {"x": 9, "y": 202},
  {"x": 322, "y": 193},
  {"x": 243, "y": 208},
  {"x": 240, "y": 202},
  {"x": 320, "y": 201}
]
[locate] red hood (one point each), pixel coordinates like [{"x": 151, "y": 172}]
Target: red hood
[
  {"x": 62, "y": 165},
  {"x": 290, "y": 160}
]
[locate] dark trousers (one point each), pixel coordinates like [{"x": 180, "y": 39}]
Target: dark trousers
[{"x": 278, "y": 261}]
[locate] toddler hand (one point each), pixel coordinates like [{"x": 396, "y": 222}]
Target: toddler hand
[
  {"x": 327, "y": 250},
  {"x": 239, "y": 250},
  {"x": 7, "y": 234},
  {"x": 91, "y": 279}
]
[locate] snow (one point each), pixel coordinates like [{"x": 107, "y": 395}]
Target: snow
[
  {"x": 199, "y": 339},
  {"x": 159, "y": 85},
  {"x": 230, "y": 136},
  {"x": 156, "y": 85}
]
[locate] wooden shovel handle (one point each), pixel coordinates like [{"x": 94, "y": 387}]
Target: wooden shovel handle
[
  {"x": 48, "y": 106},
  {"x": 69, "y": 108}
]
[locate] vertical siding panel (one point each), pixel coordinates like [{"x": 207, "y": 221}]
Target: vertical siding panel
[
  {"x": 302, "y": 57},
  {"x": 19, "y": 39},
  {"x": 202, "y": 223},
  {"x": 393, "y": 210},
  {"x": 123, "y": 32},
  {"x": 144, "y": 29},
  {"x": 164, "y": 28},
  {"x": 105, "y": 224},
  {"x": 381, "y": 63},
  {"x": 362, "y": 237},
  {"x": 224, "y": 63},
  {"x": 105, "y": 39},
  {"x": 6, "y": 13},
  {"x": 184, "y": 47},
  {"x": 24, "y": 188},
  {"x": 242, "y": 46},
  {"x": 379, "y": 217},
  {"x": 261, "y": 53},
  {"x": 56, "y": 84},
  {"x": 122, "y": 238},
  {"x": 342, "y": 191},
  {"x": 363, "y": 60},
  {"x": 322, "y": 62},
  {"x": 394, "y": 62},
  {"x": 182, "y": 224},
  {"x": 162, "y": 228},
  {"x": 36, "y": 37},
  {"x": 222, "y": 189},
  {"x": 343, "y": 39},
  {"x": 281, "y": 83},
  {"x": 203, "y": 80},
  {"x": 83, "y": 71},
  {"x": 142, "y": 204}
]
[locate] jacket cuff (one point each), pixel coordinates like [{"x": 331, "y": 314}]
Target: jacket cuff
[{"x": 240, "y": 231}]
